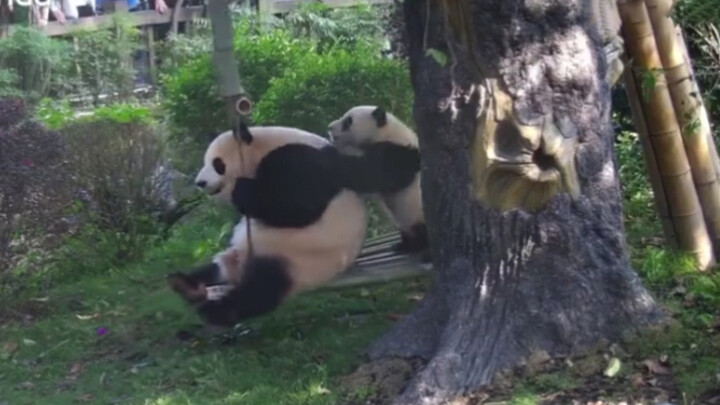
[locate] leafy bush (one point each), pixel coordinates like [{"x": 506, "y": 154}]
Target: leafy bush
[
  {"x": 103, "y": 58},
  {"x": 177, "y": 49},
  {"x": 337, "y": 27},
  {"x": 54, "y": 114},
  {"x": 124, "y": 113},
  {"x": 321, "y": 87},
  {"x": 33, "y": 64},
  {"x": 115, "y": 164},
  {"x": 9, "y": 80},
  {"x": 34, "y": 180},
  {"x": 190, "y": 94}
]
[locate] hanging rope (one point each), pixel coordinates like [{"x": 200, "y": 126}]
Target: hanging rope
[
  {"x": 243, "y": 109},
  {"x": 228, "y": 79}
]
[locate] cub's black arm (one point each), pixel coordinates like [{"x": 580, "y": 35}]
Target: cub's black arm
[{"x": 382, "y": 168}]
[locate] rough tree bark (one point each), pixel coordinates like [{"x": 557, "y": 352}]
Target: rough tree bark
[{"x": 557, "y": 279}]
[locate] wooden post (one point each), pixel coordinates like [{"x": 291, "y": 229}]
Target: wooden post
[
  {"x": 226, "y": 70},
  {"x": 175, "y": 14},
  {"x": 150, "y": 43}
]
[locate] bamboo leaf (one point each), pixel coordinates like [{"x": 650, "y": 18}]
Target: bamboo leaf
[{"x": 438, "y": 56}]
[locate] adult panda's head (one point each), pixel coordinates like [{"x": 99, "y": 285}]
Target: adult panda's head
[
  {"x": 234, "y": 155},
  {"x": 362, "y": 125},
  {"x": 225, "y": 160}
]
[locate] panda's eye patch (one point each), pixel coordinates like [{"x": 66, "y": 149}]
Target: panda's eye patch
[
  {"x": 347, "y": 122},
  {"x": 219, "y": 166}
]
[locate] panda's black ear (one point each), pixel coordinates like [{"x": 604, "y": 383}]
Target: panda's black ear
[
  {"x": 380, "y": 116},
  {"x": 243, "y": 133}
]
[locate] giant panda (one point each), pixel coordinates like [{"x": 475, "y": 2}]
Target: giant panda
[
  {"x": 387, "y": 164},
  {"x": 305, "y": 228}
]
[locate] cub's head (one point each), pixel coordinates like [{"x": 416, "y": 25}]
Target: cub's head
[
  {"x": 228, "y": 157},
  {"x": 362, "y": 125}
]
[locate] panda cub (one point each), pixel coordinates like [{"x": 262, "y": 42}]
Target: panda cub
[
  {"x": 387, "y": 162},
  {"x": 305, "y": 227}
]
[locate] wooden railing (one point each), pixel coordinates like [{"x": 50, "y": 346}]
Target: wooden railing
[
  {"x": 142, "y": 18},
  {"x": 151, "y": 17},
  {"x": 283, "y": 6}
]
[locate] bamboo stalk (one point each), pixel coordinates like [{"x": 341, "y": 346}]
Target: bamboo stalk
[
  {"x": 632, "y": 91},
  {"x": 687, "y": 105},
  {"x": 664, "y": 135},
  {"x": 705, "y": 126}
]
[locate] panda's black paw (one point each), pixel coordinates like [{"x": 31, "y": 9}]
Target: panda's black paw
[
  {"x": 187, "y": 287},
  {"x": 217, "y": 314}
]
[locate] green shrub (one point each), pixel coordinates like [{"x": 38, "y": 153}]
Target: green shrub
[
  {"x": 54, "y": 114},
  {"x": 33, "y": 64},
  {"x": 332, "y": 27},
  {"x": 124, "y": 113},
  {"x": 115, "y": 164},
  {"x": 34, "y": 183},
  {"x": 104, "y": 59},
  {"x": 321, "y": 87},
  {"x": 190, "y": 94}
]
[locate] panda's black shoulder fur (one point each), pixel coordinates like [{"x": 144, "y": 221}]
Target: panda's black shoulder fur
[
  {"x": 292, "y": 187},
  {"x": 383, "y": 167}
]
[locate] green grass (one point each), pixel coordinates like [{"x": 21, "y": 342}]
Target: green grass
[
  {"x": 289, "y": 357},
  {"x": 296, "y": 354}
]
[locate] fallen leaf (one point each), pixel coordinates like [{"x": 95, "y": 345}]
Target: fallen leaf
[
  {"x": 415, "y": 297},
  {"x": 27, "y": 385},
  {"x": 86, "y": 317},
  {"x": 41, "y": 299},
  {"x": 76, "y": 368},
  {"x": 654, "y": 367},
  {"x": 637, "y": 380},
  {"x": 364, "y": 292},
  {"x": 29, "y": 342},
  {"x": 9, "y": 347},
  {"x": 613, "y": 367}
]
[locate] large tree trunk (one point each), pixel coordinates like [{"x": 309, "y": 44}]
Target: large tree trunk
[{"x": 508, "y": 283}]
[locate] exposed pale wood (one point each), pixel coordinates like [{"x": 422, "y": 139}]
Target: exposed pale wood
[
  {"x": 136, "y": 18},
  {"x": 150, "y": 42},
  {"x": 665, "y": 136},
  {"x": 688, "y": 107},
  {"x": 175, "y": 14}
]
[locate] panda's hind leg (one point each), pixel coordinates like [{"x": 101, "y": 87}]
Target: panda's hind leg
[
  {"x": 415, "y": 241},
  {"x": 265, "y": 284},
  {"x": 191, "y": 286}
]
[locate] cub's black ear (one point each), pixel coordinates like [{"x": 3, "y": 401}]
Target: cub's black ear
[
  {"x": 243, "y": 133},
  {"x": 380, "y": 116}
]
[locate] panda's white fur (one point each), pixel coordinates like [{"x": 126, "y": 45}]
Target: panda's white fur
[
  {"x": 316, "y": 254},
  {"x": 358, "y": 127},
  {"x": 306, "y": 257}
]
